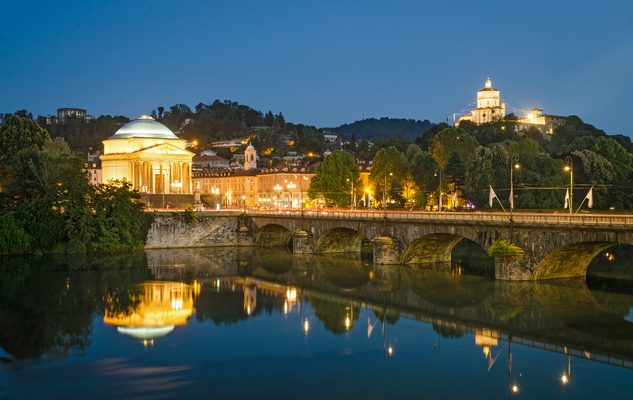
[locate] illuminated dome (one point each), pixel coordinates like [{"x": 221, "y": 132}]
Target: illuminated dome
[{"x": 144, "y": 127}]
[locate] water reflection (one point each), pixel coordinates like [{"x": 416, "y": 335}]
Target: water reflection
[
  {"x": 49, "y": 308},
  {"x": 158, "y": 308}
]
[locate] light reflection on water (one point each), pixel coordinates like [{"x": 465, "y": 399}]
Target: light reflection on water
[{"x": 264, "y": 323}]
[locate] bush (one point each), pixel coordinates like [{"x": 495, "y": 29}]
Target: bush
[
  {"x": 503, "y": 248},
  {"x": 13, "y": 239}
]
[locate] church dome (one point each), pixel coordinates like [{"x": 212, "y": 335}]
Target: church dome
[{"x": 144, "y": 127}]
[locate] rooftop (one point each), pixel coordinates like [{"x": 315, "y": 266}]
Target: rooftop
[{"x": 144, "y": 127}]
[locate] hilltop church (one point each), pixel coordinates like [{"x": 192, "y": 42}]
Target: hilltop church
[{"x": 490, "y": 108}]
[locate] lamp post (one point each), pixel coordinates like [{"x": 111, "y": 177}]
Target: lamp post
[
  {"x": 384, "y": 192},
  {"x": 351, "y": 196},
  {"x": 514, "y": 164},
  {"x": 569, "y": 167},
  {"x": 438, "y": 171},
  {"x": 215, "y": 192},
  {"x": 277, "y": 188},
  {"x": 291, "y": 186}
]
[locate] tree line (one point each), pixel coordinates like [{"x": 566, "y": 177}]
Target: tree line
[{"x": 462, "y": 163}]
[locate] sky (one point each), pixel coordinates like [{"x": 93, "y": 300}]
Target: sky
[{"x": 322, "y": 63}]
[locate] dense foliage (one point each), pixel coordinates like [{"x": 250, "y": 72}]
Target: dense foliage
[
  {"x": 49, "y": 206},
  {"x": 383, "y": 128},
  {"x": 334, "y": 179}
]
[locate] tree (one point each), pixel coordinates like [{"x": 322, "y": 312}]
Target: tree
[
  {"x": 269, "y": 119},
  {"x": 449, "y": 141},
  {"x": 333, "y": 179},
  {"x": 422, "y": 170},
  {"x": 389, "y": 169},
  {"x": 16, "y": 134}
]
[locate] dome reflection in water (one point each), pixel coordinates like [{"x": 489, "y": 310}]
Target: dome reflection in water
[{"x": 209, "y": 315}]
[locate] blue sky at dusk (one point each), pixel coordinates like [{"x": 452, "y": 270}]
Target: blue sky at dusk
[{"x": 320, "y": 62}]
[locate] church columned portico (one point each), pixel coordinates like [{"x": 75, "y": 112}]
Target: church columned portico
[{"x": 152, "y": 158}]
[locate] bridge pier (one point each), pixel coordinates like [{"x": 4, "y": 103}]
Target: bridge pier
[
  {"x": 244, "y": 236},
  {"x": 302, "y": 242},
  {"x": 386, "y": 250},
  {"x": 514, "y": 268}
]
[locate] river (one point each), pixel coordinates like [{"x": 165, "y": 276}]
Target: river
[{"x": 262, "y": 323}]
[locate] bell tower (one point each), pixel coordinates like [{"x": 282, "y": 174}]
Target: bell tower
[{"x": 250, "y": 158}]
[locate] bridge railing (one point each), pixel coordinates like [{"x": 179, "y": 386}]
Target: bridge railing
[
  {"x": 405, "y": 216},
  {"x": 618, "y": 221}
]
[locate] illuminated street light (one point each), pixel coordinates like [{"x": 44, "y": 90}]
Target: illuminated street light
[
  {"x": 569, "y": 167},
  {"x": 351, "y": 200},
  {"x": 291, "y": 186},
  {"x": 438, "y": 171},
  {"x": 515, "y": 389},
  {"x": 277, "y": 188},
  {"x": 514, "y": 164}
]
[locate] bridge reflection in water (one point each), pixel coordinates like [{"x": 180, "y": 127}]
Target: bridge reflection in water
[{"x": 562, "y": 316}]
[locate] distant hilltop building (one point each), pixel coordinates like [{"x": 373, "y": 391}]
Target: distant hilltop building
[
  {"x": 546, "y": 123},
  {"x": 490, "y": 108},
  {"x": 64, "y": 113}
]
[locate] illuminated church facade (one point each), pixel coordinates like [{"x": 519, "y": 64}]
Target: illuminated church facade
[
  {"x": 150, "y": 156},
  {"x": 489, "y": 106}
]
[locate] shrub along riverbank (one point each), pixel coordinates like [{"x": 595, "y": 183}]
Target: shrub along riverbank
[{"x": 48, "y": 205}]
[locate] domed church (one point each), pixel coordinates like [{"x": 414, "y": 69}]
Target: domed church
[{"x": 151, "y": 157}]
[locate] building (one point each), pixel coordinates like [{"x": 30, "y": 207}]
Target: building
[
  {"x": 535, "y": 118},
  {"x": 151, "y": 157},
  {"x": 266, "y": 188},
  {"x": 94, "y": 173},
  {"x": 489, "y": 106},
  {"x": 64, "y": 113},
  {"x": 249, "y": 186},
  {"x": 209, "y": 162}
]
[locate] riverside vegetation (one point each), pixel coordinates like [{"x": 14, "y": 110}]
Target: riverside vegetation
[{"x": 47, "y": 204}]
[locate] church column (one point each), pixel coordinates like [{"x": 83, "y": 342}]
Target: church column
[
  {"x": 141, "y": 177},
  {"x": 181, "y": 169},
  {"x": 189, "y": 178}
]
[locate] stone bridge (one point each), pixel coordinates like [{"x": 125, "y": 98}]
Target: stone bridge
[{"x": 552, "y": 245}]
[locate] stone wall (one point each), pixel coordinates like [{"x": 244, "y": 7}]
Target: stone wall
[{"x": 175, "y": 232}]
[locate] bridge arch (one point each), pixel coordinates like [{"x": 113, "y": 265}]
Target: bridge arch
[
  {"x": 340, "y": 240},
  {"x": 273, "y": 235},
  {"x": 432, "y": 248},
  {"x": 569, "y": 261}
]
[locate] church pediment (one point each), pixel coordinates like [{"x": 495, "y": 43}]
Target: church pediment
[{"x": 164, "y": 148}]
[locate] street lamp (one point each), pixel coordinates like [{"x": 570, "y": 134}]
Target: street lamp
[
  {"x": 291, "y": 186},
  {"x": 514, "y": 164},
  {"x": 569, "y": 167},
  {"x": 384, "y": 192},
  {"x": 438, "y": 172},
  {"x": 215, "y": 192},
  {"x": 277, "y": 188},
  {"x": 351, "y": 196}
]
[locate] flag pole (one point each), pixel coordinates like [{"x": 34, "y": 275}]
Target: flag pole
[
  {"x": 499, "y": 201},
  {"x": 581, "y": 203}
]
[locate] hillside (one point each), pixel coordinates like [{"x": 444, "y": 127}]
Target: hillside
[{"x": 383, "y": 128}]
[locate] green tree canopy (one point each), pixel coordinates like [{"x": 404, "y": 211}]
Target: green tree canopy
[
  {"x": 16, "y": 134},
  {"x": 333, "y": 179},
  {"x": 449, "y": 141},
  {"x": 389, "y": 169}
]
